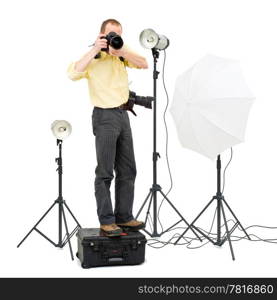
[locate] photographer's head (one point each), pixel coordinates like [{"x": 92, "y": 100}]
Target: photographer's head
[{"x": 111, "y": 25}]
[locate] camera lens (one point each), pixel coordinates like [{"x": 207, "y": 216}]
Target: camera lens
[
  {"x": 114, "y": 40},
  {"x": 117, "y": 42}
]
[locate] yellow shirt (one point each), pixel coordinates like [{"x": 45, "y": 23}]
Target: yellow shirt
[{"x": 107, "y": 80}]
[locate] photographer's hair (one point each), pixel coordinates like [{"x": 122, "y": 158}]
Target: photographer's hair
[{"x": 111, "y": 21}]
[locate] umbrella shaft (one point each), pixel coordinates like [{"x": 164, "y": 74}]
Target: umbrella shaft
[
  {"x": 218, "y": 166},
  {"x": 219, "y": 198}
]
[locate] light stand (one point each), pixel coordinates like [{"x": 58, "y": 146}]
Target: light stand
[
  {"x": 152, "y": 195},
  {"x": 220, "y": 240},
  {"x": 61, "y": 213}
]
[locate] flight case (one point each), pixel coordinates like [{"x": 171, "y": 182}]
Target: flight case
[{"x": 95, "y": 249}]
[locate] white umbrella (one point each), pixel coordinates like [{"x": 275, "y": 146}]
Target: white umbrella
[{"x": 211, "y": 105}]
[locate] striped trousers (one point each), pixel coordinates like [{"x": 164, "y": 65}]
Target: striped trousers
[{"x": 115, "y": 155}]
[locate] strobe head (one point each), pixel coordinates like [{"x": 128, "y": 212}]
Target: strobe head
[
  {"x": 149, "y": 39},
  {"x": 114, "y": 40},
  {"x": 61, "y": 129}
]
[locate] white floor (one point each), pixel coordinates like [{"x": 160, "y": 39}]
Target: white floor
[{"x": 37, "y": 258}]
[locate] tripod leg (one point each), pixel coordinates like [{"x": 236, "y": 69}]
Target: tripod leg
[
  {"x": 36, "y": 225},
  {"x": 200, "y": 214},
  {"x": 66, "y": 238},
  {"x": 218, "y": 209},
  {"x": 66, "y": 228},
  {"x": 189, "y": 226},
  {"x": 46, "y": 237},
  {"x": 60, "y": 226},
  {"x": 227, "y": 233},
  {"x": 148, "y": 209},
  {"x": 72, "y": 215},
  {"x": 236, "y": 219},
  {"x": 171, "y": 227},
  {"x": 143, "y": 205}
]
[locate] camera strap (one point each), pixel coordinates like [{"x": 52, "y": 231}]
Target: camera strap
[{"x": 98, "y": 55}]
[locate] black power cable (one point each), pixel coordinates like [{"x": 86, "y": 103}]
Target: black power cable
[
  {"x": 231, "y": 157},
  {"x": 234, "y": 238},
  {"x": 166, "y": 141}
]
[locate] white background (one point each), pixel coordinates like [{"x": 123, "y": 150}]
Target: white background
[{"x": 38, "y": 41}]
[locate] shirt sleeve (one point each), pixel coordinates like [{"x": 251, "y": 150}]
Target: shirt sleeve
[
  {"x": 75, "y": 75},
  {"x": 128, "y": 63}
]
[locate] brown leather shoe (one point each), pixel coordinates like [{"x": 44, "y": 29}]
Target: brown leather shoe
[
  {"x": 111, "y": 230},
  {"x": 132, "y": 225}
]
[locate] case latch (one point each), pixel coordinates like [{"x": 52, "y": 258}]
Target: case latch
[{"x": 134, "y": 245}]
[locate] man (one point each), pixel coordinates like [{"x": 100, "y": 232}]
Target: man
[{"x": 108, "y": 87}]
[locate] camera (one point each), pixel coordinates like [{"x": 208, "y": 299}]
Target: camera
[
  {"x": 114, "y": 40},
  {"x": 138, "y": 100}
]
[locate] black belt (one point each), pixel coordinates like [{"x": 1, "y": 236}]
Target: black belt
[{"x": 122, "y": 106}]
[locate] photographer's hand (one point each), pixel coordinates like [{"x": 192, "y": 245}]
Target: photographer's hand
[
  {"x": 100, "y": 43},
  {"x": 119, "y": 52},
  {"x": 82, "y": 64},
  {"x": 132, "y": 57}
]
